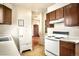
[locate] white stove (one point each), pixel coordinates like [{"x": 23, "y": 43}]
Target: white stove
[{"x": 52, "y": 43}]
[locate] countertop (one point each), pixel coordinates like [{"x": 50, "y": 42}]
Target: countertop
[
  {"x": 68, "y": 39},
  {"x": 71, "y": 39}
]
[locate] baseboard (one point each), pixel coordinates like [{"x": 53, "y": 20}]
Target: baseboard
[{"x": 26, "y": 50}]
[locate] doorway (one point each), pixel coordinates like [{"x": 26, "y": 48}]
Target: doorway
[
  {"x": 35, "y": 30},
  {"x": 36, "y": 36}
]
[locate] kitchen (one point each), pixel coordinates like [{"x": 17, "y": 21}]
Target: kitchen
[
  {"x": 62, "y": 28},
  {"x": 58, "y": 27}
]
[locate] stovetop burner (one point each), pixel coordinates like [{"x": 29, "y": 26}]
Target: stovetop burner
[
  {"x": 51, "y": 36},
  {"x": 54, "y": 37}
]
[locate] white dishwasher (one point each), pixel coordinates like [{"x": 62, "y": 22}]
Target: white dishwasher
[{"x": 52, "y": 47}]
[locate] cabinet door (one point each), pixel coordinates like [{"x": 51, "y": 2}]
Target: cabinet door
[
  {"x": 67, "y": 48},
  {"x": 45, "y": 26},
  {"x": 65, "y": 51},
  {"x": 70, "y": 15},
  {"x": 59, "y": 13},
  {"x": 7, "y": 15},
  {"x": 52, "y": 15},
  {"x": 1, "y": 14},
  {"x": 48, "y": 16},
  {"x": 47, "y": 20}
]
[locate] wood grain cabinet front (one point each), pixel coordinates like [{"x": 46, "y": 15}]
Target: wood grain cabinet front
[
  {"x": 60, "y": 13},
  {"x": 71, "y": 14},
  {"x": 52, "y": 15},
  {"x": 5, "y": 15},
  {"x": 67, "y": 48},
  {"x": 47, "y": 19}
]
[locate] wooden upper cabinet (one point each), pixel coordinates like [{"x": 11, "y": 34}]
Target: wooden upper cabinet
[
  {"x": 48, "y": 16},
  {"x": 47, "y": 22},
  {"x": 47, "y": 19},
  {"x": 52, "y": 15},
  {"x": 5, "y": 15},
  {"x": 1, "y": 14},
  {"x": 59, "y": 13},
  {"x": 71, "y": 14},
  {"x": 45, "y": 26}
]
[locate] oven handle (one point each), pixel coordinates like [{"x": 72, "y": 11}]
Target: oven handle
[
  {"x": 51, "y": 53},
  {"x": 53, "y": 40}
]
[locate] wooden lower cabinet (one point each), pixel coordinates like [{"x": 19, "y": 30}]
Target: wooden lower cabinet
[
  {"x": 67, "y": 48},
  {"x": 66, "y": 52}
]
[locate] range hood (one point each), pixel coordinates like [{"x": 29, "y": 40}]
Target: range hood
[{"x": 57, "y": 21}]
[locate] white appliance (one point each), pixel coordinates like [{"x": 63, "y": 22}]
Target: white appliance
[
  {"x": 7, "y": 46},
  {"x": 52, "y": 43},
  {"x": 52, "y": 47}
]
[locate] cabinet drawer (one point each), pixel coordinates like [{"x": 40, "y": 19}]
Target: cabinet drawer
[{"x": 69, "y": 45}]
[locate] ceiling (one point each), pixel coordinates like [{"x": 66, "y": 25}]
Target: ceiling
[{"x": 35, "y": 6}]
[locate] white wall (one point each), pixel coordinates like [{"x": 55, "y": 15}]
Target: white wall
[
  {"x": 73, "y": 31},
  {"x": 41, "y": 29},
  {"x": 43, "y": 26}
]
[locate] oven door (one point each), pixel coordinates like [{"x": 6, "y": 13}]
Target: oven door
[{"x": 52, "y": 46}]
